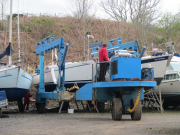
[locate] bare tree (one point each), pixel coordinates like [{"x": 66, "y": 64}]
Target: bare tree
[
  {"x": 135, "y": 10},
  {"x": 144, "y": 9},
  {"x": 82, "y": 10},
  {"x": 141, "y": 13},
  {"x": 3, "y": 7},
  {"x": 117, "y": 9}
]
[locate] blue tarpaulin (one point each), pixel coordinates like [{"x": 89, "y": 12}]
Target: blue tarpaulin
[
  {"x": 2, "y": 95},
  {"x": 92, "y": 45},
  {"x": 7, "y": 52}
]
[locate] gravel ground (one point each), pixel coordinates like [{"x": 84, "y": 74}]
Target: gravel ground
[{"x": 89, "y": 123}]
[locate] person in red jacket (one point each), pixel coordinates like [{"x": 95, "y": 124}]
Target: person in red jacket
[
  {"x": 26, "y": 101},
  {"x": 103, "y": 66}
]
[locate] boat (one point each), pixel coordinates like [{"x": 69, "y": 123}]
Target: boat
[
  {"x": 77, "y": 73},
  {"x": 159, "y": 63},
  {"x": 13, "y": 79},
  {"x": 170, "y": 84}
]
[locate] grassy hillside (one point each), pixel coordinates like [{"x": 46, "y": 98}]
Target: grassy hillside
[{"x": 36, "y": 28}]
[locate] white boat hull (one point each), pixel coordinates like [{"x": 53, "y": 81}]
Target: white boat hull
[
  {"x": 170, "y": 88},
  {"x": 79, "y": 73},
  {"x": 16, "y": 82},
  {"x": 159, "y": 63}
]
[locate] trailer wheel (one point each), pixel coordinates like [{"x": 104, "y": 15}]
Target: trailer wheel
[
  {"x": 20, "y": 105},
  {"x": 116, "y": 109},
  {"x": 101, "y": 106},
  {"x": 41, "y": 107},
  {"x": 136, "y": 115},
  {"x": 0, "y": 112},
  {"x": 37, "y": 106}
]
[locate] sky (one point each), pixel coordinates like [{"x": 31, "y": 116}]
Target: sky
[{"x": 62, "y": 7}]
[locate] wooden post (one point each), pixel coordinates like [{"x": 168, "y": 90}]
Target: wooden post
[
  {"x": 160, "y": 99},
  {"x": 77, "y": 105},
  {"x": 88, "y": 106},
  {"x": 95, "y": 106},
  {"x": 61, "y": 106},
  {"x": 82, "y": 105}
]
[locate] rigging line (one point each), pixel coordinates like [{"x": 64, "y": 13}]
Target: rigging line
[{"x": 18, "y": 34}]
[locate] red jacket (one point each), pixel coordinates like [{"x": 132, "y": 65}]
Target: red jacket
[{"x": 103, "y": 54}]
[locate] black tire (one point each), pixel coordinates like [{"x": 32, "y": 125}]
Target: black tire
[
  {"x": 101, "y": 106},
  {"x": 20, "y": 105},
  {"x": 0, "y": 112},
  {"x": 41, "y": 107},
  {"x": 116, "y": 109},
  {"x": 37, "y": 106},
  {"x": 136, "y": 115},
  {"x": 65, "y": 105}
]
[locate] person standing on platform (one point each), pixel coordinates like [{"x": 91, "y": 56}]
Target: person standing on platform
[{"x": 103, "y": 66}]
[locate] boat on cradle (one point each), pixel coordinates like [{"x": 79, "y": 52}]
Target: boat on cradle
[
  {"x": 171, "y": 82},
  {"x": 159, "y": 63},
  {"x": 13, "y": 79},
  {"x": 79, "y": 73}
]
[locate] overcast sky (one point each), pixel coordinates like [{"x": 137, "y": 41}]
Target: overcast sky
[{"x": 61, "y": 7}]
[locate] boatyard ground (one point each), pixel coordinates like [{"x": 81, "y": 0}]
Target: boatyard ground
[{"x": 89, "y": 123}]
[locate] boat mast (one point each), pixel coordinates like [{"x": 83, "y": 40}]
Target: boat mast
[
  {"x": 10, "y": 31},
  {"x": 18, "y": 35}
]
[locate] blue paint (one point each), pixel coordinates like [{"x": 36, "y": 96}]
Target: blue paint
[
  {"x": 127, "y": 68},
  {"x": 14, "y": 94},
  {"x": 5, "y": 76},
  {"x": 104, "y": 94},
  {"x": 124, "y": 84},
  {"x": 2, "y": 95},
  {"x": 41, "y": 84},
  {"x": 154, "y": 60},
  {"x": 118, "y": 46},
  {"x": 26, "y": 78},
  {"x": 85, "y": 93},
  {"x": 142, "y": 52},
  {"x": 45, "y": 46}
]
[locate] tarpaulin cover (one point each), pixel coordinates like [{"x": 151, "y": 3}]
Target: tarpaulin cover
[
  {"x": 2, "y": 95},
  {"x": 7, "y": 52},
  {"x": 92, "y": 45}
]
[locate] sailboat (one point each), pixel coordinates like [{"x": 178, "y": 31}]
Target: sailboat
[{"x": 13, "y": 79}]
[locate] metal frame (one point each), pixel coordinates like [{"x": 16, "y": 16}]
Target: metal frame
[{"x": 45, "y": 46}]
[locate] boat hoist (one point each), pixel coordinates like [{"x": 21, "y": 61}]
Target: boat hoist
[{"x": 42, "y": 47}]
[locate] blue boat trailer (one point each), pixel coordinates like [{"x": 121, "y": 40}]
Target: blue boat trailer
[
  {"x": 123, "y": 94},
  {"x": 125, "y": 87}
]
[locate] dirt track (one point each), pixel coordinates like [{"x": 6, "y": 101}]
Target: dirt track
[{"x": 89, "y": 123}]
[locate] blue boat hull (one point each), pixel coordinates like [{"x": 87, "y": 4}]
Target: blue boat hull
[
  {"x": 15, "y": 94},
  {"x": 15, "y": 81}
]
